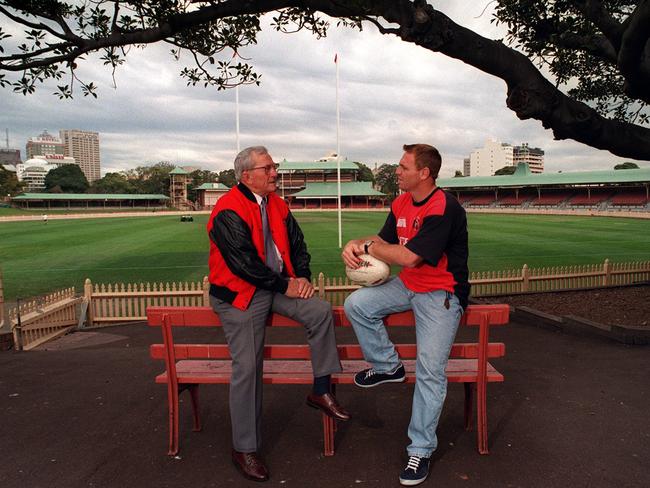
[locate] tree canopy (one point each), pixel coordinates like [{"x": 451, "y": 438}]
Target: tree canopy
[
  {"x": 9, "y": 184},
  {"x": 627, "y": 165},
  {"x": 365, "y": 173},
  {"x": 386, "y": 179},
  {"x": 66, "y": 179},
  {"x": 112, "y": 183},
  {"x": 506, "y": 170},
  {"x": 595, "y": 52}
]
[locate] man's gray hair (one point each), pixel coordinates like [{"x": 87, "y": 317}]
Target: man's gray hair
[{"x": 244, "y": 159}]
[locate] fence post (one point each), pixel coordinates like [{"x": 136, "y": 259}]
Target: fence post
[
  {"x": 18, "y": 328},
  {"x": 321, "y": 286},
  {"x": 88, "y": 298},
  {"x": 525, "y": 277},
  {"x": 607, "y": 268},
  {"x": 206, "y": 292},
  {"x": 2, "y": 302}
]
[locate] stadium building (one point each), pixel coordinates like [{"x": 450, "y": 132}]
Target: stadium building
[
  {"x": 209, "y": 193},
  {"x": 313, "y": 185},
  {"x": 612, "y": 190},
  {"x": 47, "y": 201}
]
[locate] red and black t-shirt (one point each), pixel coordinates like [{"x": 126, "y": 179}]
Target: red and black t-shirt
[{"x": 436, "y": 230}]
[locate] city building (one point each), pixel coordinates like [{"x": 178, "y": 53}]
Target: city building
[
  {"x": 495, "y": 155},
  {"x": 32, "y": 172},
  {"x": 44, "y": 144},
  {"x": 55, "y": 159},
  {"x": 534, "y": 156},
  {"x": 9, "y": 156},
  {"x": 83, "y": 146}
]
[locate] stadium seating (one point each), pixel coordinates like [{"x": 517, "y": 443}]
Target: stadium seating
[
  {"x": 482, "y": 200},
  {"x": 550, "y": 199},
  {"x": 512, "y": 201},
  {"x": 583, "y": 199},
  {"x": 630, "y": 198}
]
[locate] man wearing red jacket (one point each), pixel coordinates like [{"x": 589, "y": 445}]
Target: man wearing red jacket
[{"x": 259, "y": 264}]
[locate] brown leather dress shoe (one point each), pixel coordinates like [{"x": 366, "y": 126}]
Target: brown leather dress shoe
[
  {"x": 250, "y": 465},
  {"x": 328, "y": 404}
]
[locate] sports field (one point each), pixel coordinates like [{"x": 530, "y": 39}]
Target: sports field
[{"x": 36, "y": 258}]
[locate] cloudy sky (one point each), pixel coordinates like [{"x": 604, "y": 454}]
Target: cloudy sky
[{"x": 391, "y": 93}]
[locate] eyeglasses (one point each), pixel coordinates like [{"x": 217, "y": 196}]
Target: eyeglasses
[{"x": 267, "y": 169}]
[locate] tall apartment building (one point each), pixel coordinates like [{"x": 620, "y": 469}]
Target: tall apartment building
[
  {"x": 495, "y": 155},
  {"x": 83, "y": 146},
  {"x": 44, "y": 144},
  {"x": 534, "y": 156},
  {"x": 9, "y": 156}
]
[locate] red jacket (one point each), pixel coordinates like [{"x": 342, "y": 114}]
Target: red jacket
[{"x": 237, "y": 257}]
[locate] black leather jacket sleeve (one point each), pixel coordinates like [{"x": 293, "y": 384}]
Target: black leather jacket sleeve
[
  {"x": 233, "y": 238},
  {"x": 300, "y": 258}
]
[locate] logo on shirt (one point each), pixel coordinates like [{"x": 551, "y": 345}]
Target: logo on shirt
[
  {"x": 401, "y": 222},
  {"x": 416, "y": 223}
]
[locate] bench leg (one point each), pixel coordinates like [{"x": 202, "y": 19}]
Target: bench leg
[
  {"x": 172, "y": 399},
  {"x": 481, "y": 420},
  {"x": 196, "y": 408},
  {"x": 329, "y": 429},
  {"x": 469, "y": 405}
]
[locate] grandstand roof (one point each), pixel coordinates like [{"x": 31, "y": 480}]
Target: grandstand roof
[
  {"x": 348, "y": 189},
  {"x": 523, "y": 177},
  {"x": 213, "y": 186},
  {"x": 315, "y": 165},
  {"x": 90, "y": 196}
]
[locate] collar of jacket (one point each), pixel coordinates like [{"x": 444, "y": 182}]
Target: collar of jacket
[{"x": 246, "y": 192}]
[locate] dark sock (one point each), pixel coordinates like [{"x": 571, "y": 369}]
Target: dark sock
[{"x": 321, "y": 385}]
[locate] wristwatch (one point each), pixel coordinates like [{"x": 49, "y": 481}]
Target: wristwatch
[{"x": 366, "y": 246}]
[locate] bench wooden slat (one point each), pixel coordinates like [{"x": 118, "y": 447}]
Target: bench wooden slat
[
  {"x": 301, "y": 351},
  {"x": 205, "y": 317},
  {"x": 300, "y": 372}
]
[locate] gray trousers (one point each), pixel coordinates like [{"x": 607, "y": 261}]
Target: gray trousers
[{"x": 245, "y": 330}]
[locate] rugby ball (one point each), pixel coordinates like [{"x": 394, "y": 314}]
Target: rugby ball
[{"x": 371, "y": 272}]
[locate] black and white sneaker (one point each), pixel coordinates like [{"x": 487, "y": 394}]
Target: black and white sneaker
[
  {"x": 415, "y": 472},
  {"x": 369, "y": 377}
]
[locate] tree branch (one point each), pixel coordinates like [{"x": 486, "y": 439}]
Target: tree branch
[
  {"x": 598, "y": 46},
  {"x": 596, "y": 13},
  {"x": 631, "y": 62},
  {"x": 530, "y": 95},
  {"x": 33, "y": 25}
]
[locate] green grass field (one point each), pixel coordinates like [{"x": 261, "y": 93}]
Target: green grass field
[{"x": 36, "y": 258}]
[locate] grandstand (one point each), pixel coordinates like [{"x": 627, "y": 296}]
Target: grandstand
[
  {"x": 613, "y": 190},
  {"x": 47, "y": 201},
  {"x": 313, "y": 185}
]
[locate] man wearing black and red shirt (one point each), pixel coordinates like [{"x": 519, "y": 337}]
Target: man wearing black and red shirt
[
  {"x": 426, "y": 234},
  {"x": 259, "y": 264}
]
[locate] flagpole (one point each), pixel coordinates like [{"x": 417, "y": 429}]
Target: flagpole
[
  {"x": 237, "y": 116},
  {"x": 338, "y": 150}
]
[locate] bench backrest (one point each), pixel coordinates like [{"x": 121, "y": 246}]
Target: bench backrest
[
  {"x": 206, "y": 317},
  {"x": 482, "y": 316}
]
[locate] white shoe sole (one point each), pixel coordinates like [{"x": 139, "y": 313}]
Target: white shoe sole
[
  {"x": 396, "y": 380},
  {"x": 412, "y": 482}
]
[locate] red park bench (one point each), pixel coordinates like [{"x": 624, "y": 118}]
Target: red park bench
[{"x": 189, "y": 365}]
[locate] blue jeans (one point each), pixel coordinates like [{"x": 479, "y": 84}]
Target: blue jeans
[{"x": 435, "y": 329}]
